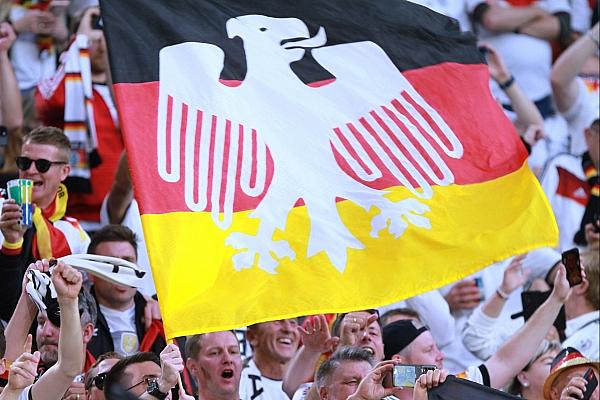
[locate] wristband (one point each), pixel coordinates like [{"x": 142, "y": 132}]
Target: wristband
[
  {"x": 501, "y": 294},
  {"x": 590, "y": 35},
  {"x": 507, "y": 84}
]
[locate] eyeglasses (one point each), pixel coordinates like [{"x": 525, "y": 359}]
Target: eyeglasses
[
  {"x": 99, "y": 379},
  {"x": 147, "y": 380},
  {"x": 42, "y": 165}
]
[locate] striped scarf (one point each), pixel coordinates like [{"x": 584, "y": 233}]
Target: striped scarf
[
  {"x": 48, "y": 241},
  {"x": 79, "y": 125},
  {"x": 593, "y": 205}
]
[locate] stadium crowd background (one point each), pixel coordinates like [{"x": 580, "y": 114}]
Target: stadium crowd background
[{"x": 107, "y": 341}]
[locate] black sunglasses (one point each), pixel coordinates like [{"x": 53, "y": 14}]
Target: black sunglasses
[
  {"x": 98, "y": 380},
  {"x": 42, "y": 165},
  {"x": 147, "y": 380}
]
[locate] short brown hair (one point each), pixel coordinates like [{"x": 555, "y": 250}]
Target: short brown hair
[
  {"x": 113, "y": 233},
  {"x": 193, "y": 344},
  {"x": 51, "y": 136},
  {"x": 591, "y": 263}
]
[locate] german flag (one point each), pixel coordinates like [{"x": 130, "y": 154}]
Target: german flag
[{"x": 313, "y": 156}]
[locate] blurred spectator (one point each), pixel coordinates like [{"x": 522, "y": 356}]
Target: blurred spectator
[
  {"x": 273, "y": 346},
  {"x": 397, "y": 314},
  {"x": 144, "y": 375},
  {"x": 583, "y": 309},
  {"x": 464, "y": 296},
  {"x": 339, "y": 376},
  {"x": 41, "y": 30},
  {"x": 62, "y": 349},
  {"x": 119, "y": 207},
  {"x": 93, "y": 131},
  {"x": 521, "y": 34},
  {"x": 565, "y": 381},
  {"x": 11, "y": 111},
  {"x": 95, "y": 376},
  {"x": 215, "y": 363},
  {"x": 569, "y": 180},
  {"x": 529, "y": 383},
  {"x": 123, "y": 325},
  {"x": 482, "y": 334},
  {"x": 409, "y": 343},
  {"x": 44, "y": 160}
]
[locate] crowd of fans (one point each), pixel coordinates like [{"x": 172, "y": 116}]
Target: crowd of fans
[{"x": 516, "y": 326}]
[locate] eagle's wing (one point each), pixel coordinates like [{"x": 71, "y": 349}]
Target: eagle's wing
[
  {"x": 382, "y": 122},
  {"x": 197, "y": 115}
]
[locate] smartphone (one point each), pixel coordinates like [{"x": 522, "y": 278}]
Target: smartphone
[
  {"x": 591, "y": 383},
  {"x": 405, "y": 375},
  {"x": 97, "y": 22},
  {"x": 570, "y": 259}
]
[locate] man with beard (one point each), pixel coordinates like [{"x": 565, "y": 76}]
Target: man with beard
[
  {"x": 215, "y": 362},
  {"x": 49, "y": 329},
  {"x": 273, "y": 344},
  {"x": 96, "y": 149}
]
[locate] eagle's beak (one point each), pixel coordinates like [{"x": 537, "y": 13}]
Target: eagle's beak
[{"x": 233, "y": 28}]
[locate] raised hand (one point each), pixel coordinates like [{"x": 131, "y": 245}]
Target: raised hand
[
  {"x": 151, "y": 311},
  {"x": 353, "y": 328},
  {"x": 67, "y": 281},
  {"x": 463, "y": 295},
  {"x": 316, "y": 336},
  {"x": 171, "y": 364},
  {"x": 7, "y": 36},
  {"x": 514, "y": 275},
  {"x": 24, "y": 370},
  {"x": 9, "y": 221},
  {"x": 372, "y": 387},
  {"x": 428, "y": 381}
]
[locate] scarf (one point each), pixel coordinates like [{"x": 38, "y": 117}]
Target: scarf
[
  {"x": 79, "y": 125},
  {"x": 593, "y": 205},
  {"x": 49, "y": 241}
]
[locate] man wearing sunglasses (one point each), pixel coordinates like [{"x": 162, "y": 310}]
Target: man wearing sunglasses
[
  {"x": 43, "y": 160},
  {"x": 95, "y": 376}
]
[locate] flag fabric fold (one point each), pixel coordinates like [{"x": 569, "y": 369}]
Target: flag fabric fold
[{"x": 315, "y": 156}]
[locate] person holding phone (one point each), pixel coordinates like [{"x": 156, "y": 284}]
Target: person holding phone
[
  {"x": 582, "y": 309},
  {"x": 570, "y": 377},
  {"x": 409, "y": 343}
]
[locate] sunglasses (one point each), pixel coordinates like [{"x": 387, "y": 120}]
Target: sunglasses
[
  {"x": 42, "y": 165},
  {"x": 98, "y": 380},
  {"x": 147, "y": 380}
]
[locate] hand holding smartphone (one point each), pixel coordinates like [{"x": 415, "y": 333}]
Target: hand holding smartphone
[
  {"x": 572, "y": 263},
  {"x": 591, "y": 383},
  {"x": 405, "y": 375}
]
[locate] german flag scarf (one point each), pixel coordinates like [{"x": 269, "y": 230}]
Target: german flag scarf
[{"x": 49, "y": 241}]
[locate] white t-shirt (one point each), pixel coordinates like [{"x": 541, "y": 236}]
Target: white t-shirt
[
  {"x": 581, "y": 115},
  {"x": 566, "y": 188},
  {"x": 582, "y": 333},
  {"x": 122, "y": 329},
  {"x": 528, "y": 58},
  {"x": 255, "y": 386},
  {"x": 30, "y": 64}
]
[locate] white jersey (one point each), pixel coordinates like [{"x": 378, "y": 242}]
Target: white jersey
[{"x": 255, "y": 386}]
